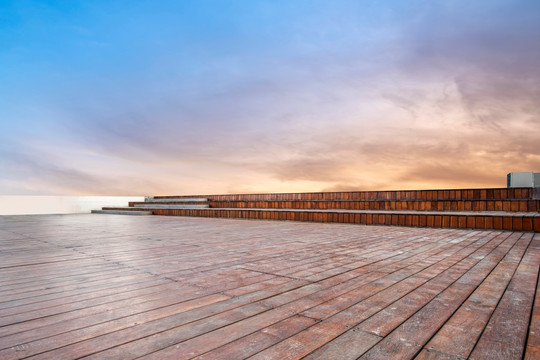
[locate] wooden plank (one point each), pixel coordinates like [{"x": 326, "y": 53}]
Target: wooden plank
[
  {"x": 533, "y": 338},
  {"x": 249, "y": 345},
  {"x": 505, "y": 335},
  {"x": 61, "y": 315},
  {"x": 43, "y": 339},
  {"x": 393, "y": 315},
  {"x": 348, "y": 345},
  {"x": 135, "y": 348},
  {"x": 407, "y": 340},
  {"x": 460, "y": 334},
  {"x": 426, "y": 354},
  {"x": 533, "y": 353},
  {"x": 150, "y": 336},
  {"x": 318, "y": 335},
  {"x": 231, "y": 335},
  {"x": 283, "y": 290},
  {"x": 536, "y": 223},
  {"x": 172, "y": 343},
  {"x": 484, "y": 267},
  {"x": 17, "y": 311}
]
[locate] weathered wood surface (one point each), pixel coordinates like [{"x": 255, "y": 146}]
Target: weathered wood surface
[{"x": 120, "y": 287}]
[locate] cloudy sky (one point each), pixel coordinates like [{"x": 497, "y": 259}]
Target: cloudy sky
[{"x": 222, "y": 96}]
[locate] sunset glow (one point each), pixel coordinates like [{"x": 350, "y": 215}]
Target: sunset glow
[{"x": 207, "y": 97}]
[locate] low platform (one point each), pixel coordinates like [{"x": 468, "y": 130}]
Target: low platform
[
  {"x": 515, "y": 209},
  {"x": 122, "y": 212},
  {"x": 156, "y": 287},
  {"x": 497, "y": 220}
]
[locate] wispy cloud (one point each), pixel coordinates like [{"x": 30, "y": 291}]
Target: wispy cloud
[{"x": 189, "y": 99}]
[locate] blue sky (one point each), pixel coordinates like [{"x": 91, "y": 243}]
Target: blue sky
[{"x": 184, "y": 97}]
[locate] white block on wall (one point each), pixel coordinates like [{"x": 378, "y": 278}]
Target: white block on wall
[{"x": 523, "y": 179}]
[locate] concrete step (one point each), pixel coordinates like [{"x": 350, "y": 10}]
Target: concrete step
[
  {"x": 121, "y": 212},
  {"x": 150, "y": 199},
  {"x": 490, "y": 220},
  {"x": 171, "y": 206},
  {"x": 138, "y": 203}
]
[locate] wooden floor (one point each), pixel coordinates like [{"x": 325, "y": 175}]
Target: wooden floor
[{"x": 125, "y": 287}]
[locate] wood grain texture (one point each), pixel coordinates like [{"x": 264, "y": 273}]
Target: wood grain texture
[{"x": 122, "y": 287}]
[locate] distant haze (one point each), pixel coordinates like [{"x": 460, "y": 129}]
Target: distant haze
[{"x": 197, "y": 97}]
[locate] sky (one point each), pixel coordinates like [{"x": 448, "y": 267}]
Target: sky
[{"x": 229, "y": 96}]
